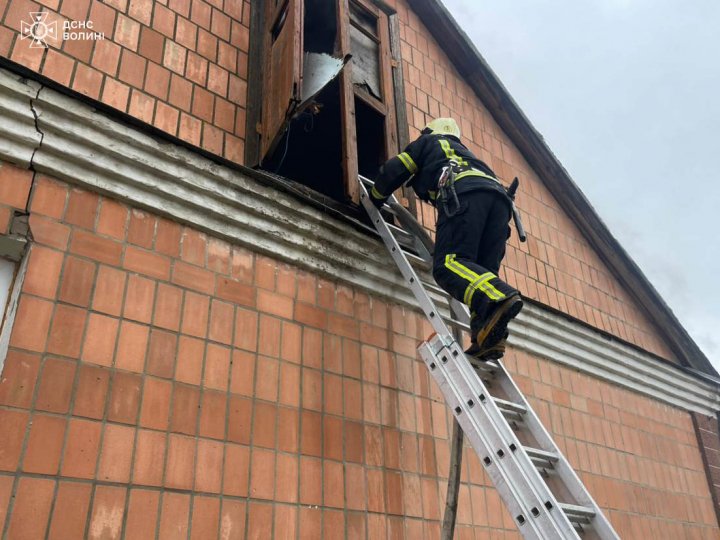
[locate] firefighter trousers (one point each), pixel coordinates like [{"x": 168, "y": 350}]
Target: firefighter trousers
[{"x": 469, "y": 247}]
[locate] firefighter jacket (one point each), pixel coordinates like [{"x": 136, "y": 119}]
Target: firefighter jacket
[{"x": 422, "y": 162}]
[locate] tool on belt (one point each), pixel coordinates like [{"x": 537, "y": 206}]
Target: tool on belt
[
  {"x": 516, "y": 215},
  {"x": 447, "y": 195}
]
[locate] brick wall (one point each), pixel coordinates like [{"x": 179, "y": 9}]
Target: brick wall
[
  {"x": 180, "y": 65},
  {"x": 162, "y": 380}
]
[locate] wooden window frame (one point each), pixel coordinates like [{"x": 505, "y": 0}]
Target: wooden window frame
[{"x": 393, "y": 108}]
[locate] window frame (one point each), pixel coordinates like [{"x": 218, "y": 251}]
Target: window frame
[{"x": 393, "y": 109}]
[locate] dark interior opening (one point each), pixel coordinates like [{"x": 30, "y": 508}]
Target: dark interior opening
[
  {"x": 370, "y": 130},
  {"x": 320, "y": 30},
  {"x": 311, "y": 150}
]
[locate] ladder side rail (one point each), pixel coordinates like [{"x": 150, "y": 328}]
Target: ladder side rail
[
  {"x": 471, "y": 386},
  {"x": 562, "y": 467},
  {"x": 517, "y": 489},
  {"x": 411, "y": 277}
]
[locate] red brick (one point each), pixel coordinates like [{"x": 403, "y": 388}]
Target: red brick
[
  {"x": 167, "y": 239},
  {"x": 14, "y": 424},
  {"x": 190, "y": 129},
  {"x": 116, "y": 454},
  {"x": 235, "y": 292},
  {"x": 149, "y": 458},
  {"x": 164, "y": 21},
  {"x": 264, "y": 431},
  {"x": 77, "y": 281},
  {"x": 15, "y": 186},
  {"x": 127, "y": 32},
  {"x": 147, "y": 262},
  {"x": 209, "y": 466},
  {"x": 81, "y": 449},
  {"x": 19, "y": 375},
  {"x": 212, "y": 139},
  {"x": 87, "y": 80},
  {"x": 91, "y": 393},
  {"x": 185, "y": 408},
  {"x": 67, "y": 331},
  {"x": 189, "y": 360},
  {"x": 310, "y": 315},
  {"x": 155, "y": 410},
  {"x": 151, "y": 45},
  {"x": 275, "y": 304},
  {"x": 202, "y": 104},
  {"x": 43, "y": 272},
  {"x": 109, "y": 290},
  {"x": 246, "y": 329},
  {"x": 112, "y": 220},
  {"x": 32, "y": 321},
  {"x": 96, "y": 248},
  {"x": 106, "y": 56},
  {"x": 139, "y": 299},
  {"x": 212, "y": 415},
  {"x": 100, "y": 340},
  {"x": 269, "y": 336},
  {"x": 142, "y": 514},
  {"x": 142, "y": 106},
  {"x": 217, "y": 367},
  {"x": 239, "y": 426},
  {"x": 175, "y": 515},
  {"x": 132, "y": 69},
  {"x": 196, "y": 69},
  {"x": 107, "y": 513},
  {"x": 161, "y": 354},
  {"x": 166, "y": 118},
  {"x": 48, "y": 197},
  {"x": 167, "y": 308},
  {"x": 221, "y": 322},
  {"x": 70, "y": 512},
  {"x": 55, "y": 389},
  {"x": 142, "y": 229},
  {"x": 236, "y": 470},
  {"x": 141, "y": 10},
  {"x": 181, "y": 453},
  {"x": 31, "y": 512},
  {"x": 195, "y": 315},
  {"x": 132, "y": 347},
  {"x": 49, "y": 232},
  {"x": 29, "y": 57},
  {"x": 218, "y": 80},
  {"x": 232, "y": 519},
  {"x": 125, "y": 398}
]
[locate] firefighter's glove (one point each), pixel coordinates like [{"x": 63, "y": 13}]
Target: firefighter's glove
[{"x": 377, "y": 198}]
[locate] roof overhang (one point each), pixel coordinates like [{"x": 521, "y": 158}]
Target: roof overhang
[{"x": 478, "y": 74}]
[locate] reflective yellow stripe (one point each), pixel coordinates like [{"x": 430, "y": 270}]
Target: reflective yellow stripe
[
  {"x": 476, "y": 281},
  {"x": 408, "y": 162},
  {"x": 376, "y": 194},
  {"x": 450, "y": 152},
  {"x": 475, "y": 172},
  {"x": 485, "y": 286},
  {"x": 479, "y": 282}
]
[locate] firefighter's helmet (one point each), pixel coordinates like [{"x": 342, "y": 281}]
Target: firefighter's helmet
[{"x": 443, "y": 126}]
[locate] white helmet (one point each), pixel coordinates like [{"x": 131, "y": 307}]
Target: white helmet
[{"x": 443, "y": 126}]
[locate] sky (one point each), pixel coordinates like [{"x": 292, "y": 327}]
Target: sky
[{"x": 627, "y": 95}]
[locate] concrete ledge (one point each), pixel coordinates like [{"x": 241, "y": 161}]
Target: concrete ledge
[{"x": 88, "y": 149}]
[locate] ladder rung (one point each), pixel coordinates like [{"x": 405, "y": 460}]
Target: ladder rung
[
  {"x": 577, "y": 514},
  {"x": 541, "y": 458},
  {"x": 435, "y": 289},
  {"x": 457, "y": 324},
  {"x": 417, "y": 261},
  {"x": 508, "y": 407},
  {"x": 400, "y": 234}
]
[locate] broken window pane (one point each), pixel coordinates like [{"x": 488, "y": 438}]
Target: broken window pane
[{"x": 365, "y": 50}]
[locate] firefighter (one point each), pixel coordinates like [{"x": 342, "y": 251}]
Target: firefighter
[{"x": 472, "y": 227}]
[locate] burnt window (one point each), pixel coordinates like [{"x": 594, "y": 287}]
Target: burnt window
[{"x": 329, "y": 81}]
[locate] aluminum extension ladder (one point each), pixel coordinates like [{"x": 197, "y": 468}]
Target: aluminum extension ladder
[{"x": 545, "y": 497}]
